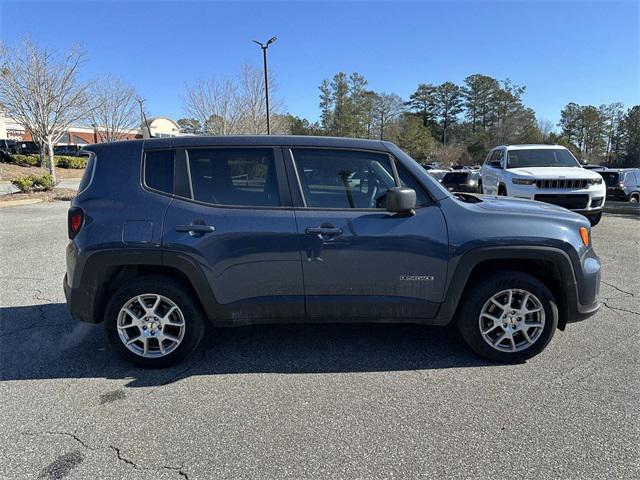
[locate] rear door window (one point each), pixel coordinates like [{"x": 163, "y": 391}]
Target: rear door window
[{"x": 234, "y": 176}]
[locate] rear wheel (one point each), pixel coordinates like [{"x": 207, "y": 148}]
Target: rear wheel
[
  {"x": 635, "y": 198},
  {"x": 508, "y": 317},
  {"x": 480, "y": 190},
  {"x": 502, "y": 191},
  {"x": 154, "y": 322}
]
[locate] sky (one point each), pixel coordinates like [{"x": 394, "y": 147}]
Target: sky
[{"x": 585, "y": 52}]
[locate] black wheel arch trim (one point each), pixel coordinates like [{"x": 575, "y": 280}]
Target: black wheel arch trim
[
  {"x": 87, "y": 299},
  {"x": 565, "y": 262}
]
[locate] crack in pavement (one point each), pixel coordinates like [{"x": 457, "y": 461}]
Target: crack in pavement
[
  {"x": 618, "y": 308},
  {"x": 136, "y": 466},
  {"x": 618, "y": 289}
]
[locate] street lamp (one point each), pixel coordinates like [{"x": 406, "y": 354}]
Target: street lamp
[
  {"x": 264, "y": 48},
  {"x": 143, "y": 117}
]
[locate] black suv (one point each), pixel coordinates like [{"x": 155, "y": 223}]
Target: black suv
[
  {"x": 462, "y": 181},
  {"x": 169, "y": 234}
]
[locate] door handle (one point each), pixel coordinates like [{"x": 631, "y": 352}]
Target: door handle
[
  {"x": 195, "y": 229},
  {"x": 323, "y": 231}
]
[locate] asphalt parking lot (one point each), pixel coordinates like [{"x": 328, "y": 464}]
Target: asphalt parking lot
[{"x": 363, "y": 401}]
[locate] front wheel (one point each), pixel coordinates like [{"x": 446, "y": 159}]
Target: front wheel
[
  {"x": 153, "y": 322},
  {"x": 508, "y": 317}
]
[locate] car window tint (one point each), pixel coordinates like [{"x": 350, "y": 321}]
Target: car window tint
[
  {"x": 234, "y": 176},
  {"x": 407, "y": 180},
  {"x": 88, "y": 173},
  {"x": 158, "y": 170},
  {"x": 343, "y": 178}
]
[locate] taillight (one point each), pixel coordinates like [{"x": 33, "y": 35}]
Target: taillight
[{"x": 75, "y": 220}]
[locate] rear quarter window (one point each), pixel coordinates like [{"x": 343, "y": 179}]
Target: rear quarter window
[
  {"x": 88, "y": 173},
  {"x": 159, "y": 170}
]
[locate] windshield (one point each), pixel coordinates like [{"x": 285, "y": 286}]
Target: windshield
[
  {"x": 610, "y": 178},
  {"x": 538, "y": 157}
]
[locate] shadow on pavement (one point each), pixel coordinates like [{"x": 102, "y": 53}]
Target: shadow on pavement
[{"x": 43, "y": 342}]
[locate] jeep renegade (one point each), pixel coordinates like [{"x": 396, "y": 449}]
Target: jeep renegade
[{"x": 167, "y": 235}]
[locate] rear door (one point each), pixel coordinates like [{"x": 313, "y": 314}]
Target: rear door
[
  {"x": 232, "y": 217},
  {"x": 360, "y": 261}
]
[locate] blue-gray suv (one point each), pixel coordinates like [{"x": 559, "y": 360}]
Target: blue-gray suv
[{"x": 169, "y": 235}]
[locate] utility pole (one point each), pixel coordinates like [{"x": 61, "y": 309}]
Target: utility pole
[{"x": 264, "y": 48}]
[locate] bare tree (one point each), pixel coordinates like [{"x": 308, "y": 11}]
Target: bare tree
[
  {"x": 387, "y": 107},
  {"x": 546, "y": 128},
  {"x": 234, "y": 105},
  {"x": 115, "y": 111},
  {"x": 41, "y": 90},
  {"x": 215, "y": 104}
]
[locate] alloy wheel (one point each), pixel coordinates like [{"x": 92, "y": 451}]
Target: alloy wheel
[
  {"x": 512, "y": 320},
  {"x": 151, "y": 325}
]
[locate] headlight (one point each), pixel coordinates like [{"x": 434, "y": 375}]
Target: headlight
[
  {"x": 523, "y": 181},
  {"x": 472, "y": 182},
  {"x": 594, "y": 181}
]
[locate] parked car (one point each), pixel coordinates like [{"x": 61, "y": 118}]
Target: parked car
[
  {"x": 547, "y": 173},
  {"x": 622, "y": 184},
  {"x": 8, "y": 146},
  {"x": 438, "y": 174},
  {"x": 70, "y": 150},
  {"x": 27, "y": 148},
  {"x": 462, "y": 181},
  {"x": 261, "y": 229}
]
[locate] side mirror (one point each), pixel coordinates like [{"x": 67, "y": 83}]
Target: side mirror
[
  {"x": 496, "y": 164},
  {"x": 401, "y": 200}
]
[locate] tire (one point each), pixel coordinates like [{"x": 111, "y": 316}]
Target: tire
[
  {"x": 480, "y": 189},
  {"x": 478, "y": 300},
  {"x": 180, "y": 329},
  {"x": 634, "y": 198},
  {"x": 595, "y": 219},
  {"x": 502, "y": 191}
]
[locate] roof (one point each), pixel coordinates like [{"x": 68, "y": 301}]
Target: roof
[
  {"x": 257, "y": 141},
  {"x": 537, "y": 146}
]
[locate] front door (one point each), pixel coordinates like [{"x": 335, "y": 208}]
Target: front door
[
  {"x": 358, "y": 260},
  {"x": 236, "y": 225}
]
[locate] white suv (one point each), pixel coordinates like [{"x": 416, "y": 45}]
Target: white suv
[{"x": 548, "y": 173}]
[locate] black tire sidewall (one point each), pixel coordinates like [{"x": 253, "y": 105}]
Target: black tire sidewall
[
  {"x": 468, "y": 323},
  {"x": 194, "y": 319}
]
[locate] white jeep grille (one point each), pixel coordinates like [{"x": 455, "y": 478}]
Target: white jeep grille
[{"x": 562, "y": 183}]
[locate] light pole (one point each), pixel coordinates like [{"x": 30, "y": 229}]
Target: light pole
[
  {"x": 264, "y": 48},
  {"x": 143, "y": 117}
]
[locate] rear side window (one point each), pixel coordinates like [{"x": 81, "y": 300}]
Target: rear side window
[
  {"x": 234, "y": 176},
  {"x": 158, "y": 170}
]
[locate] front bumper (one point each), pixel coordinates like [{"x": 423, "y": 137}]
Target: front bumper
[
  {"x": 585, "y": 200},
  {"x": 587, "y": 273}
]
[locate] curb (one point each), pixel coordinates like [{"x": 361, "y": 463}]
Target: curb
[{"x": 17, "y": 203}]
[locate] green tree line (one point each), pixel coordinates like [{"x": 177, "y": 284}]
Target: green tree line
[{"x": 461, "y": 123}]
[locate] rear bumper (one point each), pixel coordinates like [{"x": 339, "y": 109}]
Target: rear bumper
[{"x": 80, "y": 302}]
